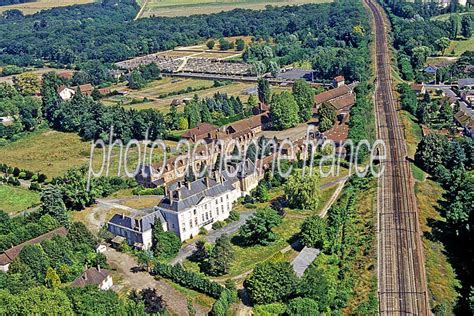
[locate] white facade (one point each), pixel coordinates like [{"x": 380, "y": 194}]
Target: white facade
[
  {"x": 106, "y": 284},
  {"x": 66, "y": 93},
  {"x": 187, "y": 223},
  {"x": 4, "y": 268}
]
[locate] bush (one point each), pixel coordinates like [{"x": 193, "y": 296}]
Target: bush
[
  {"x": 302, "y": 306},
  {"x": 188, "y": 279},
  {"x": 269, "y": 309},
  {"x": 202, "y": 231},
  {"x": 234, "y": 216},
  {"x": 35, "y": 186},
  {"x": 218, "y": 225}
]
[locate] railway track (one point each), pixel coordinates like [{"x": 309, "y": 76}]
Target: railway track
[{"x": 400, "y": 264}]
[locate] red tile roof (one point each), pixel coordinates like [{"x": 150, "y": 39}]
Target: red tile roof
[
  {"x": 199, "y": 131},
  {"x": 10, "y": 254},
  {"x": 91, "y": 276},
  {"x": 331, "y": 94},
  {"x": 343, "y": 102}
]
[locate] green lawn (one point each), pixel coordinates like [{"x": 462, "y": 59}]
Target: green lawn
[
  {"x": 458, "y": 47},
  {"x": 16, "y": 199},
  {"x": 418, "y": 174}
]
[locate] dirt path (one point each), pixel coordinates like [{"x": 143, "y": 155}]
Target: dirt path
[{"x": 126, "y": 267}]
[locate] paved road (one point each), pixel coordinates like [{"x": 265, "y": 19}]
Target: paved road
[{"x": 212, "y": 236}]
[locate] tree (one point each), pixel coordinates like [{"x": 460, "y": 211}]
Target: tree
[
  {"x": 252, "y": 103},
  {"x": 210, "y": 44},
  {"x": 239, "y": 44},
  {"x": 431, "y": 152},
  {"x": 52, "y": 279},
  {"x": 136, "y": 80},
  {"x": 261, "y": 192},
  {"x": 271, "y": 282},
  {"x": 313, "y": 232},
  {"x": 145, "y": 260},
  {"x": 258, "y": 228},
  {"x": 52, "y": 203},
  {"x": 302, "y": 191},
  {"x": 304, "y": 97},
  {"x": 466, "y": 26},
  {"x": 27, "y": 83},
  {"x": 165, "y": 244},
  {"x": 320, "y": 281},
  {"x": 220, "y": 257},
  {"x": 34, "y": 257},
  {"x": 79, "y": 234},
  {"x": 327, "y": 117},
  {"x": 302, "y": 306},
  {"x": 284, "y": 111},
  {"x": 225, "y": 44},
  {"x": 153, "y": 303},
  {"x": 454, "y": 22},
  {"x": 408, "y": 98},
  {"x": 263, "y": 90},
  {"x": 442, "y": 44}
]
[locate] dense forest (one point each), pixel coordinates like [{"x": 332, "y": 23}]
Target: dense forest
[
  {"x": 106, "y": 32},
  {"x": 8, "y": 2}
]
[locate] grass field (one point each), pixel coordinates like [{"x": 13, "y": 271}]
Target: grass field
[
  {"x": 441, "y": 278},
  {"x": 190, "y": 7},
  {"x": 458, "y": 47},
  {"x": 412, "y": 132},
  {"x": 445, "y": 17},
  {"x": 33, "y": 7},
  {"x": 53, "y": 153},
  {"x": 156, "y": 88},
  {"x": 16, "y": 199}
]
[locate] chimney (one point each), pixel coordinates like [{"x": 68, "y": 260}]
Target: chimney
[
  {"x": 166, "y": 190},
  {"x": 98, "y": 267},
  {"x": 84, "y": 275},
  {"x": 123, "y": 216},
  {"x": 188, "y": 185},
  {"x": 206, "y": 181},
  {"x": 217, "y": 176}
]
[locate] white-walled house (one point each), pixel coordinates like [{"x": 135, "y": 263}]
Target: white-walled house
[
  {"x": 189, "y": 206},
  {"x": 94, "y": 276}
]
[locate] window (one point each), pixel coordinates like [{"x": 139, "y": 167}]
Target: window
[
  {"x": 207, "y": 216},
  {"x": 217, "y": 211},
  {"x": 203, "y": 217},
  {"x": 191, "y": 223},
  {"x": 194, "y": 211},
  {"x": 222, "y": 208},
  {"x": 227, "y": 196},
  {"x": 196, "y": 221},
  {"x": 222, "y": 199}
]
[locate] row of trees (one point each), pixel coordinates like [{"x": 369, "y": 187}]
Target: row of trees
[
  {"x": 92, "y": 120},
  {"x": 450, "y": 162},
  {"x": 329, "y": 282}
]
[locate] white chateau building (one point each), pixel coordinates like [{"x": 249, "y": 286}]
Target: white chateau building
[{"x": 188, "y": 206}]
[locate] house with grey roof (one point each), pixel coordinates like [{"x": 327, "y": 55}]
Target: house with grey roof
[
  {"x": 466, "y": 84},
  {"x": 94, "y": 276},
  {"x": 136, "y": 228},
  {"x": 188, "y": 206}
]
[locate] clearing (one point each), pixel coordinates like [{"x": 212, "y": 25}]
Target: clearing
[
  {"x": 189, "y": 7},
  {"x": 53, "y": 153},
  {"x": 16, "y": 199},
  {"x": 155, "y": 91},
  {"x": 459, "y": 46},
  {"x": 33, "y": 7}
]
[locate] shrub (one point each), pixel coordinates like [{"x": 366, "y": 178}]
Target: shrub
[
  {"x": 269, "y": 309},
  {"x": 234, "y": 216},
  {"x": 218, "y": 225},
  {"x": 302, "y": 306}
]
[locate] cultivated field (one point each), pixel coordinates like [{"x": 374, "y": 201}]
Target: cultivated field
[
  {"x": 153, "y": 91},
  {"x": 33, "y": 7},
  {"x": 190, "y": 7}
]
